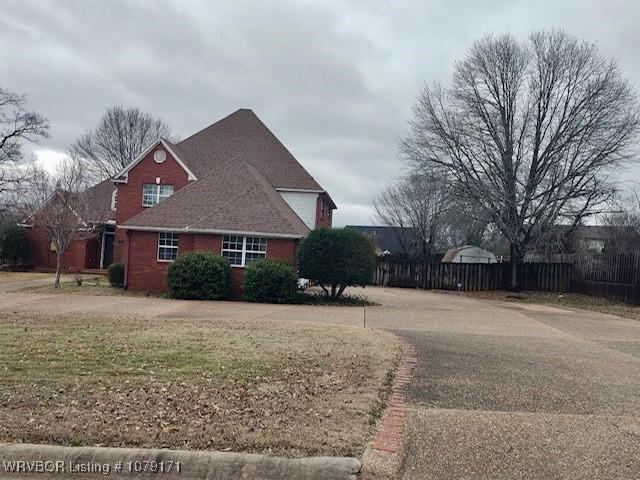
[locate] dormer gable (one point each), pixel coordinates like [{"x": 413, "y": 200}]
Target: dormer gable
[{"x": 162, "y": 151}]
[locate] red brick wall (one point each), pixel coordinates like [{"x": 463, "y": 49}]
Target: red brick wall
[
  {"x": 144, "y": 272},
  {"x": 39, "y": 245},
  {"x": 324, "y": 212},
  {"x": 93, "y": 252},
  {"x": 130, "y": 193},
  {"x": 74, "y": 258},
  {"x": 282, "y": 249}
]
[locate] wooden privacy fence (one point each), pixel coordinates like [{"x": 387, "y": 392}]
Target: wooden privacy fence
[
  {"x": 471, "y": 276},
  {"x": 615, "y": 276}
]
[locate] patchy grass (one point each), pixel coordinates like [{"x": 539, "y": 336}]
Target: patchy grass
[
  {"x": 11, "y": 277},
  {"x": 95, "y": 286},
  {"x": 575, "y": 300},
  {"x": 100, "y": 286},
  {"x": 254, "y": 386}
]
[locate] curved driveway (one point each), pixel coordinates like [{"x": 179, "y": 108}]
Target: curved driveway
[{"x": 501, "y": 391}]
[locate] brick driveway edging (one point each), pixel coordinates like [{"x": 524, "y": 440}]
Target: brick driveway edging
[
  {"x": 193, "y": 464},
  {"x": 383, "y": 458},
  {"x": 392, "y": 425}
]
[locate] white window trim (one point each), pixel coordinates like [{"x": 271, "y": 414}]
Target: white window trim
[
  {"x": 166, "y": 246},
  {"x": 157, "y": 195},
  {"x": 244, "y": 250}
]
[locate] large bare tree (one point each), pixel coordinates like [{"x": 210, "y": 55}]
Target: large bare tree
[
  {"x": 18, "y": 126},
  {"x": 530, "y": 131},
  {"x": 122, "y": 135}
]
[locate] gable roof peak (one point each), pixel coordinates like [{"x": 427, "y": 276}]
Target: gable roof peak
[
  {"x": 242, "y": 135},
  {"x": 240, "y": 111}
]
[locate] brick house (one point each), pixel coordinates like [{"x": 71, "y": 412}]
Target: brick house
[
  {"x": 231, "y": 188},
  {"x": 94, "y": 251}
]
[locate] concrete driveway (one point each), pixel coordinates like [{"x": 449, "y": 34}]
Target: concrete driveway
[{"x": 501, "y": 391}]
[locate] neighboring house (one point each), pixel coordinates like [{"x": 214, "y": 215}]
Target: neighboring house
[
  {"x": 594, "y": 238},
  {"x": 397, "y": 241},
  {"x": 231, "y": 188},
  {"x": 469, "y": 254},
  {"x": 563, "y": 242}
]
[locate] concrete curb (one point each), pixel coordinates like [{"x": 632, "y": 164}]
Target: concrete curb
[{"x": 47, "y": 461}]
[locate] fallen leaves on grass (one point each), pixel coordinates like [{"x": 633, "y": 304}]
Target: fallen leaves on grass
[{"x": 291, "y": 389}]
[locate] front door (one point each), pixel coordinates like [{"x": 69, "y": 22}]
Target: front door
[{"x": 107, "y": 248}]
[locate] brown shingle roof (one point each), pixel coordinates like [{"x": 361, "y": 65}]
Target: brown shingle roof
[
  {"x": 243, "y": 136},
  {"x": 98, "y": 202},
  {"x": 233, "y": 198}
]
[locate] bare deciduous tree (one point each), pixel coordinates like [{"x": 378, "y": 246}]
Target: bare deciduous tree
[
  {"x": 122, "y": 135},
  {"x": 434, "y": 215},
  {"x": 17, "y": 126},
  {"x": 55, "y": 204},
  {"x": 530, "y": 131},
  {"x": 414, "y": 203}
]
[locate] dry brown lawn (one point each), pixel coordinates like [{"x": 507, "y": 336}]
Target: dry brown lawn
[
  {"x": 254, "y": 386},
  {"x": 574, "y": 300},
  {"x": 93, "y": 286},
  {"x": 11, "y": 277}
]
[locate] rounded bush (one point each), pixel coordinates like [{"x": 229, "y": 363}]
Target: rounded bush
[
  {"x": 199, "y": 276},
  {"x": 116, "y": 274},
  {"x": 336, "y": 259},
  {"x": 270, "y": 281}
]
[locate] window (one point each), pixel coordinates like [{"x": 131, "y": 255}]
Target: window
[
  {"x": 243, "y": 251},
  {"x": 153, "y": 193},
  {"x": 167, "y": 246},
  {"x": 114, "y": 200}
]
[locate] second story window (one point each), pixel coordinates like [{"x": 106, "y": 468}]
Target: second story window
[{"x": 152, "y": 193}]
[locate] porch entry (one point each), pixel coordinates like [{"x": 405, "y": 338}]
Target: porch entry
[{"x": 108, "y": 236}]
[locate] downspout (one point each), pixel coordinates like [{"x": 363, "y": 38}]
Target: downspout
[{"x": 126, "y": 258}]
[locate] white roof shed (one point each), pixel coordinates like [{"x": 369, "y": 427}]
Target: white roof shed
[{"x": 469, "y": 254}]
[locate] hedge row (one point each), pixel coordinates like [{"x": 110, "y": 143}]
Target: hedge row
[
  {"x": 207, "y": 276},
  {"x": 335, "y": 259}
]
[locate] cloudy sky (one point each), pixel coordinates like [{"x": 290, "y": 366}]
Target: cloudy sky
[{"x": 334, "y": 80}]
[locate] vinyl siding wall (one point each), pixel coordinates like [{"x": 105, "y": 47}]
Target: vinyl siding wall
[{"x": 304, "y": 204}]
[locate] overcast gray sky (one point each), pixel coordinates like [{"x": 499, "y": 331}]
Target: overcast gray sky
[{"x": 334, "y": 80}]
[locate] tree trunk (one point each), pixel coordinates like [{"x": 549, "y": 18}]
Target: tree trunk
[
  {"x": 333, "y": 291},
  {"x": 58, "y": 268},
  {"x": 516, "y": 258}
]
